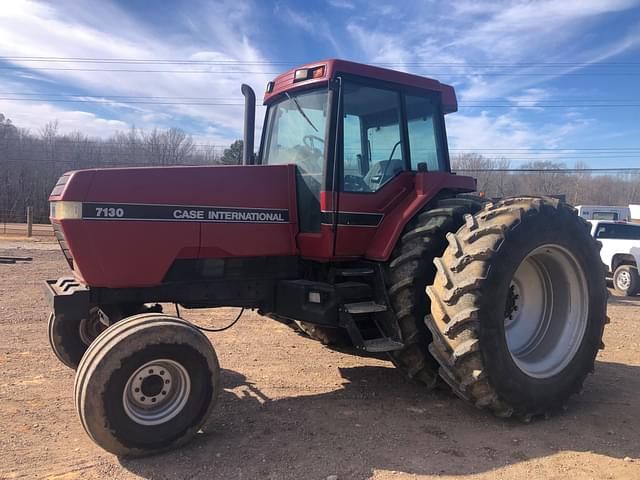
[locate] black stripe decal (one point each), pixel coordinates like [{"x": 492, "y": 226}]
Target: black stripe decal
[
  {"x": 353, "y": 219},
  {"x": 182, "y": 213}
]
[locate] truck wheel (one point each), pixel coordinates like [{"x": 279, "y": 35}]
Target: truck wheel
[
  {"x": 146, "y": 385},
  {"x": 626, "y": 280},
  {"x": 410, "y": 270},
  {"x": 518, "y": 307},
  {"x": 70, "y": 337}
]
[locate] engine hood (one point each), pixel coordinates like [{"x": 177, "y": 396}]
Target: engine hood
[{"x": 125, "y": 227}]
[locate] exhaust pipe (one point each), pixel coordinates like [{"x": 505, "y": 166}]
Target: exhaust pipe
[{"x": 249, "y": 124}]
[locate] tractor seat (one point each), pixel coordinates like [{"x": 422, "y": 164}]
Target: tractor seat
[{"x": 381, "y": 172}]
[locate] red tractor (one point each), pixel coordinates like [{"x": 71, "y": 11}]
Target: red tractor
[{"x": 347, "y": 222}]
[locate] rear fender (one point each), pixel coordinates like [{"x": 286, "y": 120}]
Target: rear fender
[{"x": 427, "y": 187}]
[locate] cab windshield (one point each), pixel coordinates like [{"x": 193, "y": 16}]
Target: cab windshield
[{"x": 295, "y": 132}]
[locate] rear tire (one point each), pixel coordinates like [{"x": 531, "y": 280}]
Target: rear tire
[
  {"x": 626, "y": 280},
  {"x": 410, "y": 270},
  {"x": 518, "y": 307},
  {"x": 147, "y": 384}
]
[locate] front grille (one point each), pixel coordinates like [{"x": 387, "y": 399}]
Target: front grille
[{"x": 57, "y": 231}]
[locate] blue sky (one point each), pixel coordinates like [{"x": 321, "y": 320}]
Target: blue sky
[{"x": 531, "y": 77}]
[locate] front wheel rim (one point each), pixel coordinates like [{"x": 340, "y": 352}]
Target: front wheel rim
[
  {"x": 156, "y": 392},
  {"x": 546, "y": 312}
]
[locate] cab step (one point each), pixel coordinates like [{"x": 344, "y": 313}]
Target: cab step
[
  {"x": 353, "y": 272},
  {"x": 383, "y": 344},
  {"x": 359, "y": 308}
]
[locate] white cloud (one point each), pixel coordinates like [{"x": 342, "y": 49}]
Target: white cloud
[
  {"x": 30, "y": 28},
  {"x": 33, "y": 116},
  {"x": 342, "y": 4},
  {"x": 455, "y": 42},
  {"x": 315, "y": 26},
  {"x": 380, "y": 47}
]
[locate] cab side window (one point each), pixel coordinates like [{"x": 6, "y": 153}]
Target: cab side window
[
  {"x": 373, "y": 152},
  {"x": 424, "y": 147}
]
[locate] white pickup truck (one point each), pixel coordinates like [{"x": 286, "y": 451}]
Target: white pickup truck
[{"x": 620, "y": 253}]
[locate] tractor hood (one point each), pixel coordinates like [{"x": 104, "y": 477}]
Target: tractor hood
[{"x": 126, "y": 227}]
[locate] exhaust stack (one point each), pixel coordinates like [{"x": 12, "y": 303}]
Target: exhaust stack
[{"x": 249, "y": 124}]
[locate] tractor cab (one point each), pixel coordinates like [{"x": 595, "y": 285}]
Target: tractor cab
[{"x": 360, "y": 138}]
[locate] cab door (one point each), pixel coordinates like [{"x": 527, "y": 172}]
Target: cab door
[{"x": 386, "y": 137}]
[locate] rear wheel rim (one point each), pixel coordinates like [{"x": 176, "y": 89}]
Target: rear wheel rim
[
  {"x": 156, "y": 392},
  {"x": 546, "y": 311}
]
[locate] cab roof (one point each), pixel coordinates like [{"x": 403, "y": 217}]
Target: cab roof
[{"x": 333, "y": 67}]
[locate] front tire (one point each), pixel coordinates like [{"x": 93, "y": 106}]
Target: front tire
[
  {"x": 518, "y": 307},
  {"x": 70, "y": 337},
  {"x": 626, "y": 280},
  {"x": 147, "y": 384}
]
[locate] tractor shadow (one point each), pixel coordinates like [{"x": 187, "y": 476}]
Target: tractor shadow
[{"x": 379, "y": 422}]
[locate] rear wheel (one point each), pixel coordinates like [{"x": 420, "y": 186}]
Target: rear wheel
[
  {"x": 518, "y": 307},
  {"x": 410, "y": 270},
  {"x": 626, "y": 280},
  {"x": 146, "y": 385}
]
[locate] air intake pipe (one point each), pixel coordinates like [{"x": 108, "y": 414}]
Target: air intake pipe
[{"x": 249, "y": 124}]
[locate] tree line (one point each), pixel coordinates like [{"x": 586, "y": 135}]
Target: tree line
[
  {"x": 32, "y": 162},
  {"x": 577, "y": 185}
]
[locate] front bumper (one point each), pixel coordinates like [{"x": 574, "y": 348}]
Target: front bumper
[{"x": 67, "y": 296}]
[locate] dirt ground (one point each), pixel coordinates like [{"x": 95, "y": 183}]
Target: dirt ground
[{"x": 292, "y": 409}]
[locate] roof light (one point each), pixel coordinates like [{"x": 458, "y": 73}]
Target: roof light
[
  {"x": 308, "y": 73},
  {"x": 317, "y": 72},
  {"x": 300, "y": 75},
  {"x": 270, "y": 87}
]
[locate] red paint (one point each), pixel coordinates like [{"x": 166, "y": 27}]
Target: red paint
[
  {"x": 334, "y": 67},
  {"x": 399, "y": 200},
  {"x": 126, "y": 253}
]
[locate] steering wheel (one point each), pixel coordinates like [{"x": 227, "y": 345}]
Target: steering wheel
[
  {"x": 309, "y": 140},
  {"x": 354, "y": 183}
]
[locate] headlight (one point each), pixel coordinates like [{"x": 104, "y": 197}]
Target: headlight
[{"x": 66, "y": 210}]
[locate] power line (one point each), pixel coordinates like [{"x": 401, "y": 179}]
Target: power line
[
  {"x": 60, "y": 59},
  {"x": 552, "y": 152},
  {"x": 125, "y": 102},
  {"x": 104, "y": 100},
  {"x": 243, "y": 72},
  {"x": 549, "y": 170}
]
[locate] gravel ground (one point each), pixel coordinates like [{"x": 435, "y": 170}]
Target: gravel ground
[{"x": 292, "y": 409}]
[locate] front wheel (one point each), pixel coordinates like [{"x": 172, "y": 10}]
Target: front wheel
[
  {"x": 518, "y": 307},
  {"x": 146, "y": 385},
  {"x": 69, "y": 337},
  {"x": 626, "y": 281}
]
